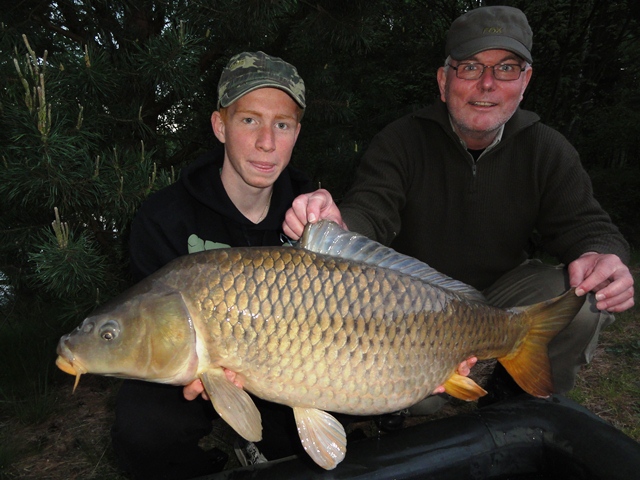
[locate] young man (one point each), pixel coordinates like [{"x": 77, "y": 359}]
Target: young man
[
  {"x": 465, "y": 184},
  {"x": 234, "y": 196}
]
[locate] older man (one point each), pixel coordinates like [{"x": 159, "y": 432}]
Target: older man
[{"x": 466, "y": 184}]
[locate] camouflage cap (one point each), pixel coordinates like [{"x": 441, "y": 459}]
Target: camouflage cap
[
  {"x": 249, "y": 71},
  {"x": 489, "y": 28}
]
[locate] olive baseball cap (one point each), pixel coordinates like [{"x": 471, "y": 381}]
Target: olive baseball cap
[
  {"x": 488, "y": 28},
  {"x": 249, "y": 71}
]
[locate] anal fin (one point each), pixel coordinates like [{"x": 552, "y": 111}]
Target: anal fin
[{"x": 464, "y": 388}]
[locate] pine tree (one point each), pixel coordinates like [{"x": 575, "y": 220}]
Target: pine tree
[
  {"x": 80, "y": 134},
  {"x": 56, "y": 157}
]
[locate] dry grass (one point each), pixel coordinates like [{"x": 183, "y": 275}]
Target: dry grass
[
  {"x": 74, "y": 443},
  {"x": 610, "y": 385}
]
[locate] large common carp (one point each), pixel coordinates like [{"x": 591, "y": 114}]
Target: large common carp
[{"x": 338, "y": 323}]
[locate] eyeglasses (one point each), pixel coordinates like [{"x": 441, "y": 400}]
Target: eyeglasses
[{"x": 502, "y": 71}]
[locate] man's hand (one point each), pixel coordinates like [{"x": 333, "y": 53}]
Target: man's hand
[
  {"x": 194, "y": 389},
  {"x": 309, "y": 208},
  {"x": 464, "y": 369},
  {"x": 607, "y": 277}
]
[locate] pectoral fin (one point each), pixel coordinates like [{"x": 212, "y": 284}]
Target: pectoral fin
[
  {"x": 323, "y": 437},
  {"x": 463, "y": 388},
  {"x": 234, "y": 405}
]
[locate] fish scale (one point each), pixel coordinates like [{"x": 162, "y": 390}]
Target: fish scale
[
  {"x": 338, "y": 323},
  {"x": 371, "y": 333}
]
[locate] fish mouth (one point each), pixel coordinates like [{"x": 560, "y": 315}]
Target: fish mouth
[
  {"x": 68, "y": 367},
  {"x": 67, "y": 364}
]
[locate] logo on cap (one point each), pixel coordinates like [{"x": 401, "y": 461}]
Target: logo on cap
[{"x": 489, "y": 28}]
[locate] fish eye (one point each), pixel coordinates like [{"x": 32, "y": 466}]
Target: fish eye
[{"x": 109, "y": 331}]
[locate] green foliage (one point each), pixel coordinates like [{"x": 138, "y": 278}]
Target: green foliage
[
  {"x": 629, "y": 349},
  {"x": 66, "y": 270},
  {"x": 65, "y": 147}
]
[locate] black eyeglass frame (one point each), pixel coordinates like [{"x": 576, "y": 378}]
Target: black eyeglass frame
[{"x": 493, "y": 71}]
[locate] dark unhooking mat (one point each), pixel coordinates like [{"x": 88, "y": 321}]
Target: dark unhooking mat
[{"x": 523, "y": 438}]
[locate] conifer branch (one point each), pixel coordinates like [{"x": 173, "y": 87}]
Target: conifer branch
[
  {"x": 44, "y": 110},
  {"x": 80, "y": 118},
  {"x": 87, "y": 60},
  {"x": 61, "y": 230},
  {"x": 35, "y": 96},
  {"x": 96, "y": 171},
  {"x": 33, "y": 63},
  {"x": 152, "y": 178},
  {"x": 27, "y": 96}
]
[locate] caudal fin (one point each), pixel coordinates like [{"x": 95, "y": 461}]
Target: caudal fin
[{"x": 529, "y": 364}]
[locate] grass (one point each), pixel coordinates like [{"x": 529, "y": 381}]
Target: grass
[
  {"x": 610, "y": 385},
  {"x": 48, "y": 433}
]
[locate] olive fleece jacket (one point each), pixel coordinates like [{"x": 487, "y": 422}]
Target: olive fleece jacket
[{"x": 419, "y": 191}]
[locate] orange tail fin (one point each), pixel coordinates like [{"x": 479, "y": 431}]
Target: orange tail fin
[{"x": 529, "y": 364}]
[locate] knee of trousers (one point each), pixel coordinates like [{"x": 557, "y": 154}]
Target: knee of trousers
[
  {"x": 528, "y": 283},
  {"x": 575, "y": 345}
]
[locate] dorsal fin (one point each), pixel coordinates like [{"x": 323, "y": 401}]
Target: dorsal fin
[{"x": 327, "y": 238}]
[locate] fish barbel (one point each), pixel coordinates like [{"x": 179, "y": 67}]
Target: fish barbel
[{"x": 338, "y": 323}]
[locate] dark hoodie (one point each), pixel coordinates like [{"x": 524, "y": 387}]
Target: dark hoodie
[
  {"x": 418, "y": 190},
  {"x": 197, "y": 209}
]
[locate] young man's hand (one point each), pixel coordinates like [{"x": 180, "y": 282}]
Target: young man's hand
[{"x": 309, "y": 208}]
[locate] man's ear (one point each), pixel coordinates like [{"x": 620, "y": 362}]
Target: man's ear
[
  {"x": 298, "y": 131},
  {"x": 442, "y": 82},
  {"x": 217, "y": 124},
  {"x": 527, "y": 78}
]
